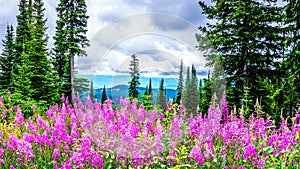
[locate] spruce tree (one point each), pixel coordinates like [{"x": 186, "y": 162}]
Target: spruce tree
[
  {"x": 6, "y": 59},
  {"x": 290, "y": 89},
  {"x": 200, "y": 93},
  {"x": 180, "y": 85},
  {"x": 44, "y": 78},
  {"x": 205, "y": 96},
  {"x": 81, "y": 86},
  {"x": 150, "y": 88},
  {"x": 24, "y": 34},
  {"x": 70, "y": 41},
  {"x": 146, "y": 91},
  {"x": 135, "y": 76},
  {"x": 245, "y": 53},
  {"x": 186, "y": 98},
  {"x": 104, "y": 96},
  {"x": 33, "y": 77},
  {"x": 193, "y": 93},
  {"x": 161, "y": 97},
  {"x": 92, "y": 92}
]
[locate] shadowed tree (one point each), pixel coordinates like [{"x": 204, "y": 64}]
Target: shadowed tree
[
  {"x": 104, "y": 96},
  {"x": 6, "y": 59},
  {"x": 180, "y": 84}
]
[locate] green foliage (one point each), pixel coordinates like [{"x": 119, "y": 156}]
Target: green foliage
[
  {"x": 6, "y": 59},
  {"x": 70, "y": 41},
  {"x": 247, "y": 102},
  {"x": 180, "y": 84},
  {"x": 147, "y": 102},
  {"x": 206, "y": 96},
  {"x": 31, "y": 74},
  {"x": 191, "y": 93},
  {"x": 246, "y": 54},
  {"x": 150, "y": 93},
  {"x": 92, "y": 92},
  {"x": 81, "y": 85},
  {"x": 104, "y": 96},
  {"x": 161, "y": 97},
  {"x": 135, "y": 76},
  {"x": 185, "y": 97}
]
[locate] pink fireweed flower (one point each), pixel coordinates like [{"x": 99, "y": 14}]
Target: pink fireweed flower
[
  {"x": 134, "y": 108},
  {"x": 13, "y": 141},
  {"x": 4, "y": 114},
  {"x": 196, "y": 153},
  {"x": 224, "y": 108},
  {"x": 169, "y": 106},
  {"x": 19, "y": 119},
  {"x": 8, "y": 95},
  {"x": 33, "y": 107},
  {"x": 154, "y": 115},
  {"x": 250, "y": 151},
  {"x": 29, "y": 138},
  {"x": 40, "y": 121},
  {"x": 96, "y": 159},
  {"x": 55, "y": 154},
  {"x": 182, "y": 108},
  {"x": 25, "y": 147},
  {"x": 162, "y": 116}
]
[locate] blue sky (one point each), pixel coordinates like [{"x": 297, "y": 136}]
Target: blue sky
[{"x": 159, "y": 32}]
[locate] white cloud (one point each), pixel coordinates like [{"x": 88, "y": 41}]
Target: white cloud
[{"x": 119, "y": 28}]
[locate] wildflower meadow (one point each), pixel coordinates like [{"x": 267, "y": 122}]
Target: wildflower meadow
[{"x": 92, "y": 135}]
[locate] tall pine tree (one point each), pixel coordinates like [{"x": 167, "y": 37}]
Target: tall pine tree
[
  {"x": 186, "y": 98},
  {"x": 92, "y": 92},
  {"x": 6, "y": 59},
  {"x": 33, "y": 77},
  {"x": 135, "y": 77},
  {"x": 70, "y": 41},
  {"x": 104, "y": 96},
  {"x": 193, "y": 93},
  {"x": 180, "y": 84},
  {"x": 24, "y": 34},
  {"x": 291, "y": 85},
  {"x": 161, "y": 97},
  {"x": 248, "y": 38}
]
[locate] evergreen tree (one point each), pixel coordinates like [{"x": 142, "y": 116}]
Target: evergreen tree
[
  {"x": 33, "y": 77},
  {"x": 290, "y": 89},
  {"x": 23, "y": 35},
  {"x": 150, "y": 88},
  {"x": 186, "y": 98},
  {"x": 135, "y": 76},
  {"x": 200, "y": 93},
  {"x": 193, "y": 93},
  {"x": 205, "y": 96},
  {"x": 146, "y": 91},
  {"x": 70, "y": 41},
  {"x": 218, "y": 81},
  {"x": 43, "y": 78},
  {"x": 180, "y": 84},
  {"x": 6, "y": 59},
  {"x": 161, "y": 97},
  {"x": 245, "y": 53},
  {"x": 104, "y": 96},
  {"x": 92, "y": 92},
  {"x": 81, "y": 86}
]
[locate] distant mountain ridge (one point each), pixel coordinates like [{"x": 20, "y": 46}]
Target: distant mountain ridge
[{"x": 121, "y": 91}]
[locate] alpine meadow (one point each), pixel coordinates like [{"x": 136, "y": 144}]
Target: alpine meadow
[{"x": 229, "y": 99}]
